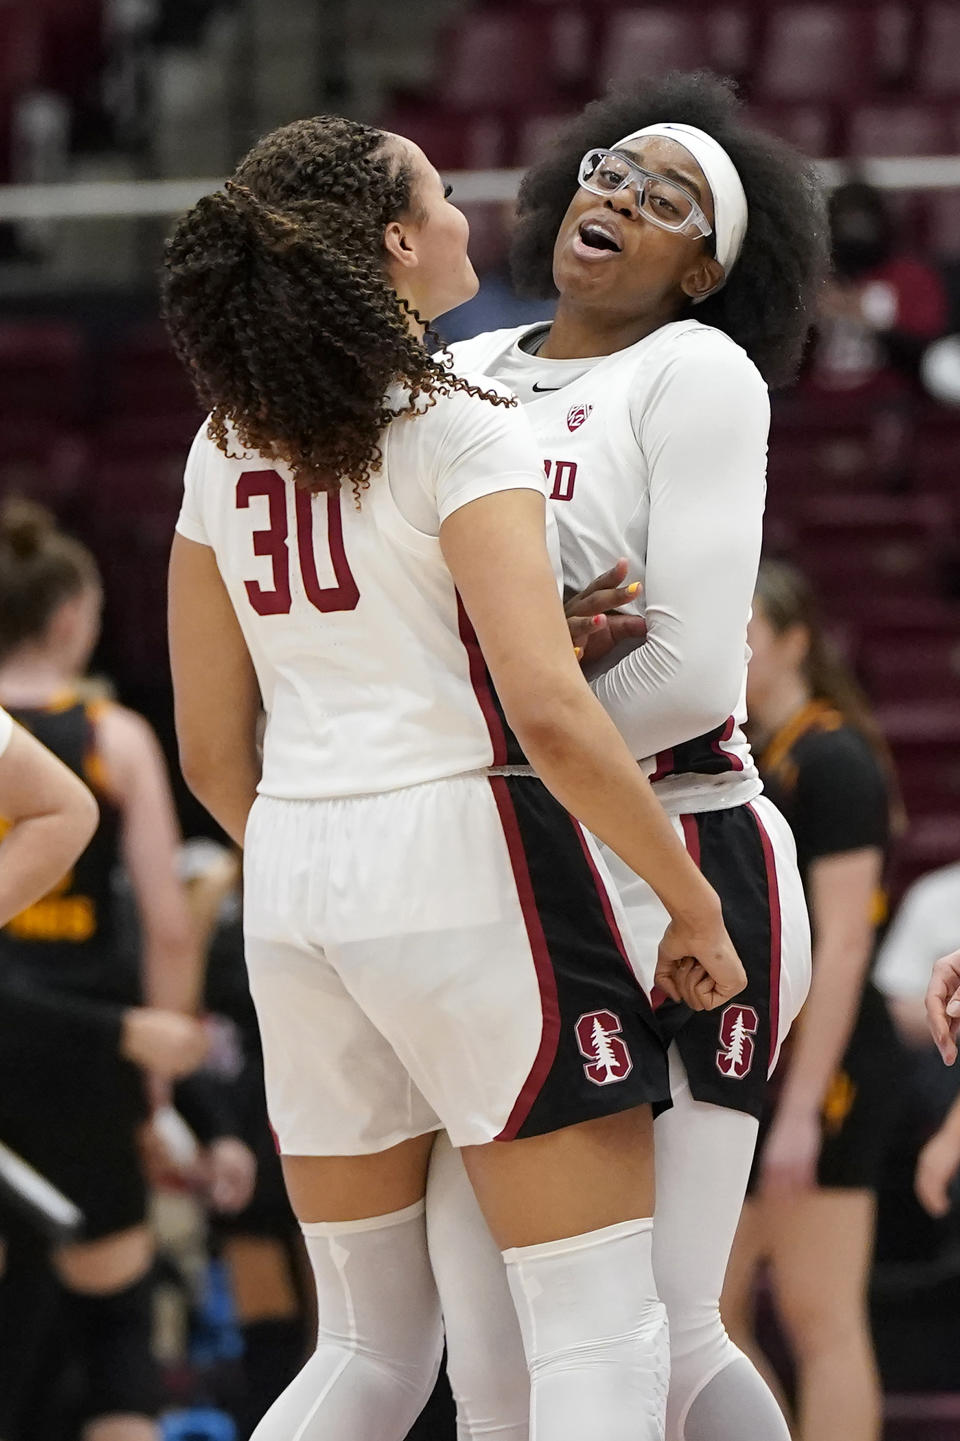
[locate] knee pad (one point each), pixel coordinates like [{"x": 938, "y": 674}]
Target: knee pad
[
  {"x": 113, "y": 1332},
  {"x": 594, "y": 1333},
  {"x": 379, "y": 1336}
]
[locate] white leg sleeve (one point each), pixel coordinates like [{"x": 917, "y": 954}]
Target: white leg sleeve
[
  {"x": 594, "y": 1333},
  {"x": 379, "y": 1338},
  {"x": 703, "y": 1159},
  {"x": 485, "y": 1363}
]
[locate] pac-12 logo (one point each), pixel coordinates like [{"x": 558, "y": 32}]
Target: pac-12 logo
[
  {"x": 603, "y": 1048},
  {"x": 577, "y": 414},
  {"x": 738, "y": 1026}
]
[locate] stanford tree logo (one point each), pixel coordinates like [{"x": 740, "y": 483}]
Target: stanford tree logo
[
  {"x": 738, "y": 1026},
  {"x": 603, "y": 1047}
]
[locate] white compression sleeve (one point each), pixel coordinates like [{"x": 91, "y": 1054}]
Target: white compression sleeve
[
  {"x": 704, "y": 436},
  {"x": 594, "y": 1334},
  {"x": 701, "y": 1150},
  {"x": 703, "y": 1159},
  {"x": 485, "y": 1362},
  {"x": 379, "y": 1338}
]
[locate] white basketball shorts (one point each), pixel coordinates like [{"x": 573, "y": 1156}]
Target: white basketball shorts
[{"x": 444, "y": 955}]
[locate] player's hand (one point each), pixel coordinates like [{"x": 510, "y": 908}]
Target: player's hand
[
  {"x": 788, "y": 1163},
  {"x": 936, "y": 1167},
  {"x": 593, "y": 615},
  {"x": 231, "y": 1174},
  {"x": 943, "y": 1006},
  {"x": 697, "y": 963},
  {"x": 165, "y": 1043}
]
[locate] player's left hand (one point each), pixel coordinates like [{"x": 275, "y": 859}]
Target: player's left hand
[
  {"x": 231, "y": 1173},
  {"x": 943, "y": 1006},
  {"x": 936, "y": 1167},
  {"x": 788, "y": 1162},
  {"x": 595, "y": 620}
]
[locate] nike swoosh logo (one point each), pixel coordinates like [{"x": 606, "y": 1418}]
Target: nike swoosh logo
[{"x": 541, "y": 388}]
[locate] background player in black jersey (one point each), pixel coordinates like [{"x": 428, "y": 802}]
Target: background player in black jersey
[
  {"x": 812, "y": 1212},
  {"x": 75, "y": 1044}
]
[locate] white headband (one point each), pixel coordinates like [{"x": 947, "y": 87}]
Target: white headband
[{"x": 729, "y": 197}]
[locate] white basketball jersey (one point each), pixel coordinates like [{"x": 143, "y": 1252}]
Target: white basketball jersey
[
  {"x": 658, "y": 453},
  {"x": 366, "y": 661}
]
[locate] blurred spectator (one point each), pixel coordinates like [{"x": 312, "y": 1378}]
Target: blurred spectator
[
  {"x": 812, "y": 1209},
  {"x": 924, "y": 928},
  {"x": 883, "y": 305}
]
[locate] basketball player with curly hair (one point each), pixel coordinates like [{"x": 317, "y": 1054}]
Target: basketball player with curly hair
[{"x": 430, "y": 935}]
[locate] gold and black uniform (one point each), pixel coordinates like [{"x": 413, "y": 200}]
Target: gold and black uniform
[
  {"x": 825, "y": 778},
  {"x": 69, "y": 1103}
]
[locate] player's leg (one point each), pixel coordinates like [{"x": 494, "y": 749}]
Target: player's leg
[
  {"x": 540, "y": 1070},
  {"x": 269, "y": 1306},
  {"x": 572, "y": 1212},
  {"x": 821, "y": 1249},
  {"x": 107, "y": 1284},
  {"x": 379, "y": 1334},
  {"x": 333, "y": 1082},
  {"x": 354, "y": 1137},
  {"x": 702, "y": 1150},
  {"x": 485, "y": 1359},
  {"x": 705, "y": 1145},
  {"x": 738, "y": 1297}
]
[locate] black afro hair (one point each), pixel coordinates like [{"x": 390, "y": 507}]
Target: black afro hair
[{"x": 767, "y": 305}]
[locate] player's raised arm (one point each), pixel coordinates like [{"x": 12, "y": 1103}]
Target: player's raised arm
[{"x": 51, "y": 817}]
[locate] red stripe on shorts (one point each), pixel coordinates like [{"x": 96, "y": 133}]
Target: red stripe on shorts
[
  {"x": 776, "y": 928},
  {"x": 691, "y": 838},
  {"x": 546, "y": 980},
  {"x": 604, "y": 897},
  {"x": 482, "y": 689}
]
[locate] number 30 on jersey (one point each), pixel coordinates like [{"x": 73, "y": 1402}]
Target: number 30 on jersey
[{"x": 273, "y": 541}]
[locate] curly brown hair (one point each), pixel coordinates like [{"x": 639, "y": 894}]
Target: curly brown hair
[{"x": 278, "y": 303}]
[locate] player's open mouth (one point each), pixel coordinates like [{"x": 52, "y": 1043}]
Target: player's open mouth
[{"x": 597, "y": 240}]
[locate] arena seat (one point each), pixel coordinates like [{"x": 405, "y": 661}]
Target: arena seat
[
  {"x": 943, "y": 222},
  {"x": 818, "y": 52},
  {"x": 43, "y": 464},
  {"x": 938, "y": 63},
  {"x": 899, "y": 129},
  {"x": 41, "y": 371},
  {"x": 923, "y": 664},
  {"x": 74, "y": 45},
  {"x": 453, "y": 139},
  {"x": 499, "y": 59},
  {"x": 141, "y": 378},
  {"x": 20, "y": 46},
  {"x": 650, "y": 41},
  {"x": 931, "y": 841},
  {"x": 812, "y": 128}
]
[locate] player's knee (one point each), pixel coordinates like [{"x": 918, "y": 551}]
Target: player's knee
[{"x": 113, "y": 1331}]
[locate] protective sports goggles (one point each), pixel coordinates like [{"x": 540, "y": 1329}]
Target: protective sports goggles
[{"x": 661, "y": 201}]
